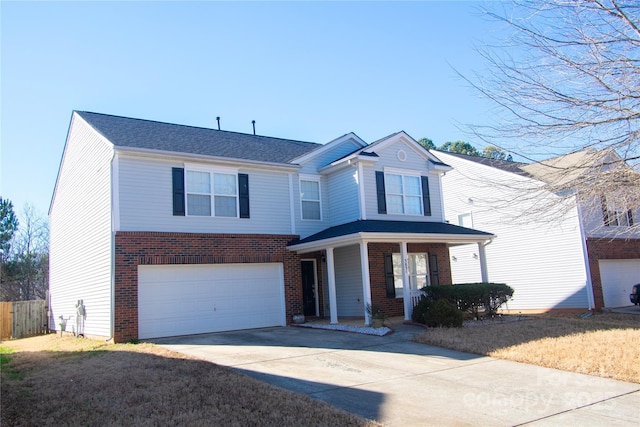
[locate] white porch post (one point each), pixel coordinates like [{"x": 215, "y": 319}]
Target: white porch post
[
  {"x": 331, "y": 273},
  {"x": 366, "y": 282},
  {"x": 406, "y": 291},
  {"x": 483, "y": 262}
]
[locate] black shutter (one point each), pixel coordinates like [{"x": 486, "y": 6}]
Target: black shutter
[
  {"x": 382, "y": 198},
  {"x": 388, "y": 276},
  {"x": 630, "y": 217},
  {"x": 426, "y": 200},
  {"x": 605, "y": 212},
  {"x": 178, "y": 191},
  {"x": 433, "y": 269},
  {"x": 243, "y": 193}
]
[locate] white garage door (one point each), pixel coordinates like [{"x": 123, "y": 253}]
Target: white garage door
[
  {"x": 194, "y": 299},
  {"x": 618, "y": 276}
]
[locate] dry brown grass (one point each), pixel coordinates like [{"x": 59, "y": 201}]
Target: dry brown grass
[
  {"x": 51, "y": 380},
  {"x": 605, "y": 344}
]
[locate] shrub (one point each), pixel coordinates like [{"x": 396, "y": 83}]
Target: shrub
[
  {"x": 443, "y": 313},
  {"x": 471, "y": 297}
]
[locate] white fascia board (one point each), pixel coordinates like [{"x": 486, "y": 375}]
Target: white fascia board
[
  {"x": 328, "y": 146},
  {"x": 343, "y": 163},
  {"x": 407, "y": 139},
  {"x": 355, "y": 238},
  {"x": 186, "y": 157}
]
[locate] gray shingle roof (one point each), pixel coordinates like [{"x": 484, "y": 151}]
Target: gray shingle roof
[
  {"x": 505, "y": 165},
  {"x": 401, "y": 227},
  {"x": 148, "y": 134}
]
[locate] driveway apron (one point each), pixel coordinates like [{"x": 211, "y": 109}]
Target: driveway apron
[{"x": 401, "y": 383}]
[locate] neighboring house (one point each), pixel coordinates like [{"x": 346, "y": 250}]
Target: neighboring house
[
  {"x": 553, "y": 247},
  {"x": 162, "y": 229}
]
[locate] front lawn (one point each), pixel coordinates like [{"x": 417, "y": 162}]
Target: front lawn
[
  {"x": 50, "y": 380},
  {"x": 605, "y": 344}
]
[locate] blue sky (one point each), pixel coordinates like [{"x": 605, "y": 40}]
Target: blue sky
[{"x": 303, "y": 70}]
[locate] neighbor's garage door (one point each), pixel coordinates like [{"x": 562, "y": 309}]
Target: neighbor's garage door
[
  {"x": 618, "y": 276},
  {"x": 193, "y": 299}
]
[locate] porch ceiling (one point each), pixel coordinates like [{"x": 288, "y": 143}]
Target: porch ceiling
[{"x": 388, "y": 231}]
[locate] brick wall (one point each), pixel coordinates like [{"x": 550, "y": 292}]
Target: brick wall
[
  {"x": 150, "y": 248},
  {"x": 395, "y": 306},
  {"x": 598, "y": 249}
]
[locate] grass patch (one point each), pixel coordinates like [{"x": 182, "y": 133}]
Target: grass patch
[
  {"x": 6, "y": 370},
  {"x": 83, "y": 382},
  {"x": 605, "y": 344}
]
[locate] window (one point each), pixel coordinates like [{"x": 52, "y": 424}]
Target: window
[
  {"x": 615, "y": 215},
  {"x": 212, "y": 194},
  {"x": 403, "y": 194},
  {"x": 465, "y": 220},
  {"x": 310, "y": 199},
  {"x": 418, "y": 272}
]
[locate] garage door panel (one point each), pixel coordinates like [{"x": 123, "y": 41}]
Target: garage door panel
[
  {"x": 192, "y": 299},
  {"x": 618, "y": 277}
]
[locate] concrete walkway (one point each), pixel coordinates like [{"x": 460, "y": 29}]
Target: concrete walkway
[{"x": 401, "y": 383}]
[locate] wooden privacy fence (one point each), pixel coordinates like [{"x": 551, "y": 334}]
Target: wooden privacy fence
[{"x": 21, "y": 319}]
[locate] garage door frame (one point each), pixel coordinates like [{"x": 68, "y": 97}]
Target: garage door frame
[{"x": 206, "y": 298}]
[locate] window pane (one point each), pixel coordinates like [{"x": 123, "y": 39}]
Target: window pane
[
  {"x": 413, "y": 205},
  {"x": 393, "y": 183},
  {"x": 310, "y": 210},
  {"x": 394, "y": 204},
  {"x": 198, "y": 205},
  {"x": 420, "y": 263},
  {"x": 224, "y": 184},
  {"x": 412, "y": 185},
  {"x": 198, "y": 182},
  {"x": 310, "y": 190},
  {"x": 225, "y": 206}
]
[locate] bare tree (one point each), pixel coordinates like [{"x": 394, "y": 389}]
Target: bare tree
[
  {"x": 567, "y": 80},
  {"x": 25, "y": 274}
]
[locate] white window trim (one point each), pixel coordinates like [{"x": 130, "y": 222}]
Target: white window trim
[
  {"x": 403, "y": 173},
  {"x": 313, "y": 178},
  {"x": 617, "y": 211},
  {"x": 211, "y": 170},
  {"x": 411, "y": 273},
  {"x": 465, "y": 214}
]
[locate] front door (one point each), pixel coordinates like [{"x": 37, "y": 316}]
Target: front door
[{"x": 309, "y": 287}]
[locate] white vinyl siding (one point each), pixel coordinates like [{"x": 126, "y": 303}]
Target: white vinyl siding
[
  {"x": 146, "y": 201},
  {"x": 80, "y": 232},
  {"x": 348, "y": 281},
  {"x": 542, "y": 259},
  {"x": 344, "y": 203}
]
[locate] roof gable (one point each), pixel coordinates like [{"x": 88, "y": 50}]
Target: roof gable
[{"x": 151, "y": 135}]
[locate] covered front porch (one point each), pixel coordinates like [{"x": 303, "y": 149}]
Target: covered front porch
[{"x": 383, "y": 264}]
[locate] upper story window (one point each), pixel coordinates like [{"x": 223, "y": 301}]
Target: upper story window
[
  {"x": 615, "y": 215},
  {"x": 310, "y": 198},
  {"x": 404, "y": 194},
  {"x": 211, "y": 193},
  {"x": 465, "y": 220}
]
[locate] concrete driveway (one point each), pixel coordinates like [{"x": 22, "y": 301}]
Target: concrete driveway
[{"x": 401, "y": 383}]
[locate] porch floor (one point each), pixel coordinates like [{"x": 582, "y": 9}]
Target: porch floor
[{"x": 354, "y": 320}]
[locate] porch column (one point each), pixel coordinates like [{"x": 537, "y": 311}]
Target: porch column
[
  {"x": 406, "y": 291},
  {"x": 331, "y": 273},
  {"x": 483, "y": 262},
  {"x": 366, "y": 282}
]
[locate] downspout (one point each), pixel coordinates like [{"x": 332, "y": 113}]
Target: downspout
[
  {"x": 115, "y": 172},
  {"x": 585, "y": 257}
]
